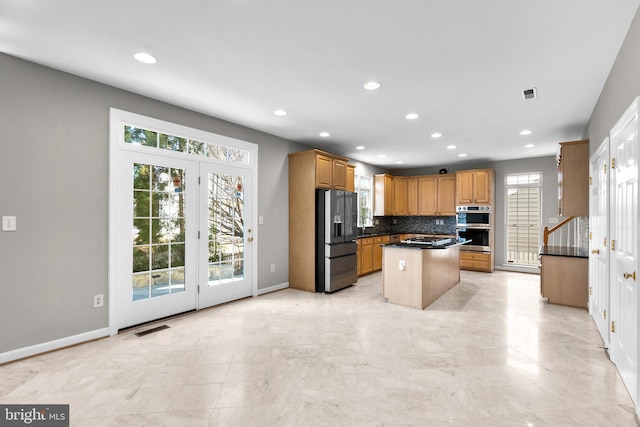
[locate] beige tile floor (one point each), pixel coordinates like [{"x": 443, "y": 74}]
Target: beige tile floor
[{"x": 490, "y": 352}]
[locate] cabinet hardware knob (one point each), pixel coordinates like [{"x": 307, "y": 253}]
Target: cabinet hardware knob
[
  {"x": 595, "y": 251},
  {"x": 250, "y": 239},
  {"x": 628, "y": 275}
]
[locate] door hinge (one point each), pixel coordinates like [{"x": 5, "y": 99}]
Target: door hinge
[
  {"x": 613, "y": 245},
  {"x": 198, "y": 288},
  {"x": 613, "y": 326},
  {"x": 198, "y": 180},
  {"x": 605, "y": 242},
  {"x": 590, "y": 235},
  {"x": 590, "y": 291},
  {"x": 590, "y": 181},
  {"x": 605, "y": 168},
  {"x": 198, "y": 234},
  {"x": 605, "y": 314},
  {"x": 613, "y": 163}
]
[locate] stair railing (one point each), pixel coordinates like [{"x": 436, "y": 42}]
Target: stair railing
[{"x": 548, "y": 230}]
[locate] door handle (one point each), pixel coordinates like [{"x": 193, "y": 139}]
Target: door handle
[
  {"x": 628, "y": 275},
  {"x": 595, "y": 251},
  {"x": 250, "y": 239}
]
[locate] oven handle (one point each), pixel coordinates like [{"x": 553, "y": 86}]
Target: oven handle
[{"x": 474, "y": 226}]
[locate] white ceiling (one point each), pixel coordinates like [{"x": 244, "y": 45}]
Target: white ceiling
[{"x": 460, "y": 64}]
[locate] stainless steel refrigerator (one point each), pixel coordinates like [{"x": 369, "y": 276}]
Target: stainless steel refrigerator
[{"x": 336, "y": 234}]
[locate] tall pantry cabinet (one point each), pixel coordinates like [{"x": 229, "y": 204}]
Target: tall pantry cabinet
[{"x": 308, "y": 171}]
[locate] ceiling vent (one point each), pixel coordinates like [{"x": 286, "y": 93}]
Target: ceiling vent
[{"x": 529, "y": 93}]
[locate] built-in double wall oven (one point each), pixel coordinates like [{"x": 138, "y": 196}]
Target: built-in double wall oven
[{"x": 474, "y": 223}]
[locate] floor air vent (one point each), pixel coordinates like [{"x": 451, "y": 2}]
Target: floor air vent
[{"x": 150, "y": 331}]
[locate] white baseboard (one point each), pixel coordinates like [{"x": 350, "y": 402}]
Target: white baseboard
[
  {"x": 519, "y": 269},
  {"x": 273, "y": 288},
  {"x": 32, "y": 350}
]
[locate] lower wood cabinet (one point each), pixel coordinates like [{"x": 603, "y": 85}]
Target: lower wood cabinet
[
  {"x": 370, "y": 254},
  {"x": 564, "y": 280},
  {"x": 478, "y": 261}
]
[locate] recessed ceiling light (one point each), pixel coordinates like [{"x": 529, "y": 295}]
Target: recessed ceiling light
[
  {"x": 382, "y": 155},
  {"x": 526, "y": 132},
  {"x": 411, "y": 116},
  {"x": 451, "y": 147},
  {"x": 360, "y": 147},
  {"x": 325, "y": 134},
  {"x": 399, "y": 162},
  {"x": 372, "y": 85},
  {"x": 145, "y": 58},
  {"x": 529, "y": 146},
  {"x": 436, "y": 135},
  {"x": 462, "y": 155},
  {"x": 280, "y": 113}
]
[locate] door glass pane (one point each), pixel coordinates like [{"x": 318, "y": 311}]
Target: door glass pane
[
  {"x": 158, "y": 231},
  {"x": 226, "y": 228}
]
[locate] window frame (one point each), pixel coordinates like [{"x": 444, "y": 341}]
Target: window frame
[{"x": 528, "y": 184}]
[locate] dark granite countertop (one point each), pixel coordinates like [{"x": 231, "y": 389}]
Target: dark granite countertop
[
  {"x": 567, "y": 251},
  {"x": 421, "y": 246}
]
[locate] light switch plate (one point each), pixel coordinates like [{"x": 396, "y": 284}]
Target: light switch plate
[{"x": 8, "y": 223}]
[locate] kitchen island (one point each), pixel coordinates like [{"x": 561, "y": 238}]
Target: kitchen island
[{"x": 417, "y": 274}]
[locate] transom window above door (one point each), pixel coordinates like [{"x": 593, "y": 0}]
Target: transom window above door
[{"x": 150, "y": 138}]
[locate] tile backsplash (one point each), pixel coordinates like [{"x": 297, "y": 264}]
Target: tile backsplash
[{"x": 415, "y": 224}]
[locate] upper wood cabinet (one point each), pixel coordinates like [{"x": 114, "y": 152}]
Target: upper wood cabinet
[
  {"x": 446, "y": 195},
  {"x": 412, "y": 196},
  {"x": 436, "y": 195},
  {"x": 351, "y": 178},
  {"x": 474, "y": 187},
  {"x": 324, "y": 171},
  {"x": 339, "y": 174},
  {"x": 383, "y": 195},
  {"x": 573, "y": 178},
  {"x": 400, "y": 195},
  {"x": 331, "y": 171}
]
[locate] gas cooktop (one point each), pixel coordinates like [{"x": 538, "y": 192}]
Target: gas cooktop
[{"x": 431, "y": 241}]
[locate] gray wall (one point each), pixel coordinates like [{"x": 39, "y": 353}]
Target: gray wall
[
  {"x": 622, "y": 86},
  {"x": 546, "y": 165},
  {"x": 54, "y": 173}
]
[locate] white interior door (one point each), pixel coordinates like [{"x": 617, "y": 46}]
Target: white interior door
[
  {"x": 157, "y": 235},
  {"x": 227, "y": 236},
  {"x": 598, "y": 228},
  {"x": 624, "y": 250}
]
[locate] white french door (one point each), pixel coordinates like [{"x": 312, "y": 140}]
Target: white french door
[
  {"x": 598, "y": 227},
  {"x": 226, "y": 234},
  {"x": 181, "y": 219},
  {"x": 624, "y": 249},
  {"x": 157, "y": 228}
]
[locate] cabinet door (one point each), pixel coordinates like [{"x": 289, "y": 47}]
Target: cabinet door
[
  {"x": 323, "y": 171},
  {"x": 377, "y": 254},
  {"x": 351, "y": 178},
  {"x": 359, "y": 256},
  {"x": 412, "y": 196},
  {"x": 447, "y": 195},
  {"x": 400, "y": 195},
  {"x": 339, "y": 174},
  {"x": 367, "y": 257},
  {"x": 464, "y": 187},
  {"x": 428, "y": 195},
  {"x": 481, "y": 187},
  {"x": 383, "y": 200}
]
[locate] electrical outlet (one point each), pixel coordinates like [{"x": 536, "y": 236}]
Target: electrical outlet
[
  {"x": 98, "y": 301},
  {"x": 8, "y": 223},
  {"x": 273, "y": 268}
]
